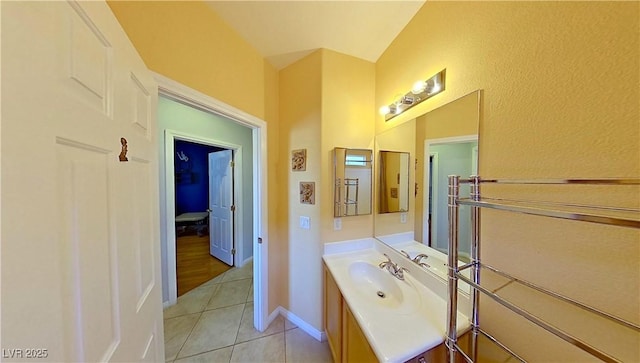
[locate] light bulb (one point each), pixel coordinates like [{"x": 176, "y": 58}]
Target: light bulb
[
  {"x": 384, "y": 110},
  {"x": 418, "y": 87},
  {"x": 436, "y": 88}
]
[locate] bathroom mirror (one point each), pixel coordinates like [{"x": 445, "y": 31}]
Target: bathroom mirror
[
  {"x": 441, "y": 142},
  {"x": 393, "y": 191},
  {"x": 353, "y": 174}
]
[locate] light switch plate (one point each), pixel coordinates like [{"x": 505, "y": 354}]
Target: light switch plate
[
  {"x": 403, "y": 217},
  {"x": 305, "y": 222},
  {"x": 337, "y": 224}
]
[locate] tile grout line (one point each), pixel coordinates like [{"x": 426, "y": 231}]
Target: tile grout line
[
  {"x": 223, "y": 306},
  {"x": 196, "y": 323},
  {"x": 204, "y": 309},
  {"x": 217, "y": 288},
  {"x": 284, "y": 332},
  {"x": 188, "y": 336},
  {"x": 235, "y": 341}
]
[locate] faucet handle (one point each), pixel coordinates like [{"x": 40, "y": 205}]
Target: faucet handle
[
  {"x": 399, "y": 272},
  {"x": 405, "y": 254},
  {"x": 419, "y": 257},
  {"x": 418, "y": 260},
  {"x": 383, "y": 264}
]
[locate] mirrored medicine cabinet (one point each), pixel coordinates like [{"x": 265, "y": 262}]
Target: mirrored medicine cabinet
[
  {"x": 353, "y": 181},
  {"x": 394, "y": 182}
]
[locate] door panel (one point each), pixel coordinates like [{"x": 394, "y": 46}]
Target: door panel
[
  {"x": 220, "y": 205},
  {"x": 86, "y": 251},
  {"x": 144, "y": 266},
  {"x": 80, "y": 252}
]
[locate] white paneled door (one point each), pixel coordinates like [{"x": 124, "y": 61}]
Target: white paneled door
[
  {"x": 221, "y": 206},
  {"x": 80, "y": 249}
]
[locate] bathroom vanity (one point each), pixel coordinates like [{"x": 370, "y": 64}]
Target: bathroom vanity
[
  {"x": 371, "y": 315},
  {"x": 346, "y": 340}
]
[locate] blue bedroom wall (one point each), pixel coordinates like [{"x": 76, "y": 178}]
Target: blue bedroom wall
[{"x": 192, "y": 176}]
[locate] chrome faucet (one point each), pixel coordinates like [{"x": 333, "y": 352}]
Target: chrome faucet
[
  {"x": 420, "y": 257},
  {"x": 417, "y": 259},
  {"x": 394, "y": 269}
]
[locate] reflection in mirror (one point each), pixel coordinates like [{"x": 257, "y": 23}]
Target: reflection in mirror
[
  {"x": 447, "y": 156},
  {"x": 402, "y": 139},
  {"x": 445, "y": 141},
  {"x": 394, "y": 182},
  {"x": 353, "y": 181}
]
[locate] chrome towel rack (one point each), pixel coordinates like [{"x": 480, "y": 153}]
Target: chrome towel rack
[{"x": 614, "y": 216}]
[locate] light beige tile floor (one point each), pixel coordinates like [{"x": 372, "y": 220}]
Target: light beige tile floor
[{"x": 214, "y": 323}]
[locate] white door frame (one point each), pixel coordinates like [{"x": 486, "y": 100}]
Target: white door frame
[
  {"x": 428, "y": 144},
  {"x": 238, "y": 226},
  {"x": 193, "y": 98},
  {"x": 434, "y": 196}
]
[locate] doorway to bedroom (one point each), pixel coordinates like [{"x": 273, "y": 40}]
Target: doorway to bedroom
[
  {"x": 204, "y": 203},
  {"x": 199, "y": 147}
]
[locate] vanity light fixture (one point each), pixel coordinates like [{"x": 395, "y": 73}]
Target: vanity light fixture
[{"x": 422, "y": 90}]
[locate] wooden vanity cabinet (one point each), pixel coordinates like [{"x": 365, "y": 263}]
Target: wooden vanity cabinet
[
  {"x": 333, "y": 315},
  {"x": 346, "y": 340},
  {"x": 355, "y": 347}
]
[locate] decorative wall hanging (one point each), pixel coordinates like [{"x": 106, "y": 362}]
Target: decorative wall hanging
[
  {"x": 183, "y": 163},
  {"x": 124, "y": 149},
  {"x": 299, "y": 160},
  {"x": 307, "y": 192}
]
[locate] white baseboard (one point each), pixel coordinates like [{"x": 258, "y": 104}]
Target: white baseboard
[
  {"x": 274, "y": 314},
  {"x": 306, "y": 327},
  {"x": 246, "y": 261}
]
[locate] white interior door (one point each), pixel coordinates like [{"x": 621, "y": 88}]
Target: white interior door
[
  {"x": 80, "y": 252},
  {"x": 221, "y": 205}
]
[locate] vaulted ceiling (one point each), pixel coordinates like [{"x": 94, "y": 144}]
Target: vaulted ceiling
[{"x": 285, "y": 31}]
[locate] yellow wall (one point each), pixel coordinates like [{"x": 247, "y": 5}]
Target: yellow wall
[
  {"x": 549, "y": 71},
  {"x": 277, "y": 244},
  {"x": 560, "y": 99},
  {"x": 326, "y": 101},
  {"x": 300, "y": 127},
  {"x": 348, "y": 116},
  {"x": 188, "y": 42}
]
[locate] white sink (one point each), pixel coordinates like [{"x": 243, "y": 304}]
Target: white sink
[
  {"x": 376, "y": 284},
  {"x": 409, "y": 319},
  {"x": 378, "y": 288}
]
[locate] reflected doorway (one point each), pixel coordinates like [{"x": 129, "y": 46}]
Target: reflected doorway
[{"x": 451, "y": 156}]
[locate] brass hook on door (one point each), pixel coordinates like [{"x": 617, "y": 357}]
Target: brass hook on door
[{"x": 123, "y": 151}]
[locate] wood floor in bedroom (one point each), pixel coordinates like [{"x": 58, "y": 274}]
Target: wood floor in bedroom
[{"x": 194, "y": 264}]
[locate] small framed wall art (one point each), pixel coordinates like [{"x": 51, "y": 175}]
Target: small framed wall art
[
  {"x": 307, "y": 192},
  {"x": 299, "y": 160}
]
